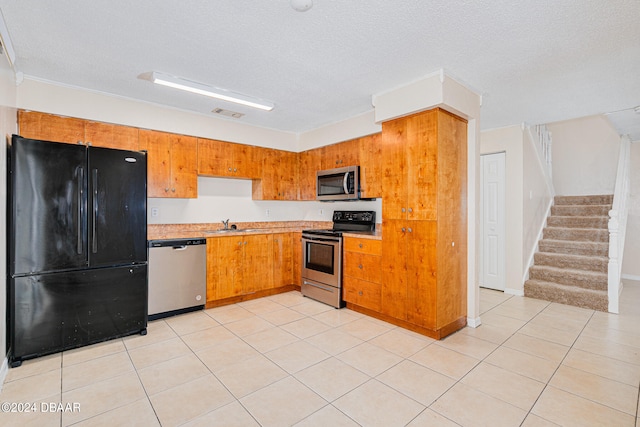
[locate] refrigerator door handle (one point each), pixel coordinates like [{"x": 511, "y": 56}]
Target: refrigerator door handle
[
  {"x": 94, "y": 226},
  {"x": 80, "y": 194}
]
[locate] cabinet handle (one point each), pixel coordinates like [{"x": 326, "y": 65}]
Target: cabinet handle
[
  {"x": 360, "y": 266},
  {"x": 173, "y": 190},
  {"x": 360, "y": 293},
  {"x": 235, "y": 169},
  {"x": 409, "y": 230},
  {"x": 166, "y": 190},
  {"x": 410, "y": 210},
  {"x": 403, "y": 210},
  {"x": 229, "y": 169},
  {"x": 360, "y": 245},
  {"x": 404, "y": 229}
]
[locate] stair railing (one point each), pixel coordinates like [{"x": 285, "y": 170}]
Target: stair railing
[
  {"x": 544, "y": 148},
  {"x": 618, "y": 224}
]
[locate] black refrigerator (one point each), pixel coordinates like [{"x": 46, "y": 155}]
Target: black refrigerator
[{"x": 77, "y": 246}]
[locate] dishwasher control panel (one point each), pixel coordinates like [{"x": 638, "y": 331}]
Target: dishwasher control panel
[{"x": 176, "y": 242}]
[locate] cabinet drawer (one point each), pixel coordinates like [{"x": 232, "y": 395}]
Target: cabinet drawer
[
  {"x": 365, "y": 246},
  {"x": 363, "y": 266},
  {"x": 362, "y": 293}
]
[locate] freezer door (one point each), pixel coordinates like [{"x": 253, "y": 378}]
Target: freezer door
[
  {"x": 47, "y": 218},
  {"x": 117, "y": 207},
  {"x": 54, "y": 312}
]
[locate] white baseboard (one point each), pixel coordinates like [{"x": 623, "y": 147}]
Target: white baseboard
[
  {"x": 516, "y": 292},
  {"x": 631, "y": 277},
  {"x": 4, "y": 370},
  {"x": 474, "y": 323}
]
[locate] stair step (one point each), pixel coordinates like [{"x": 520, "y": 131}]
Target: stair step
[
  {"x": 602, "y": 199},
  {"x": 576, "y": 234},
  {"x": 580, "y": 210},
  {"x": 578, "y": 221},
  {"x": 574, "y": 248},
  {"x": 590, "y": 263},
  {"x": 569, "y": 276},
  {"x": 562, "y": 294}
]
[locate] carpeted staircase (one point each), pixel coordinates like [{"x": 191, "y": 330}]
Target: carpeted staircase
[{"x": 571, "y": 265}]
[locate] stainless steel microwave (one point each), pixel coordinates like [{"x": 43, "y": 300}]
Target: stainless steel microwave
[{"x": 338, "y": 184}]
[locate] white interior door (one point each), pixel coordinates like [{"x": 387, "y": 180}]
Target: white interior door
[{"x": 492, "y": 271}]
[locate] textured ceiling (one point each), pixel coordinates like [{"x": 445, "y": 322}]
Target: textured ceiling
[{"x": 536, "y": 61}]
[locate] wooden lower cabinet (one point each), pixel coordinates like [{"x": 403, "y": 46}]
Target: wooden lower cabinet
[
  {"x": 240, "y": 267},
  {"x": 362, "y": 273}
]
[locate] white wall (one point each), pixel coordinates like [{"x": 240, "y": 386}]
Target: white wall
[
  {"x": 585, "y": 156},
  {"x": 510, "y": 141},
  {"x": 8, "y": 126},
  {"x": 630, "y": 265}
]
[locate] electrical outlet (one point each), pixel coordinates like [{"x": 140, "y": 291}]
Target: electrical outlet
[{"x": 155, "y": 212}]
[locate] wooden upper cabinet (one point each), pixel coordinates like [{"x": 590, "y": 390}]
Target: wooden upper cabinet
[
  {"x": 98, "y": 134},
  {"x": 227, "y": 159},
  {"x": 49, "y": 127},
  {"x": 370, "y": 160},
  {"x": 409, "y": 166},
  {"x": 339, "y": 155},
  {"x": 171, "y": 164},
  {"x": 279, "y": 175},
  {"x": 309, "y": 163}
]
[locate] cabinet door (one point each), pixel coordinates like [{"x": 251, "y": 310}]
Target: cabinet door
[
  {"x": 297, "y": 257},
  {"x": 282, "y": 259},
  {"x": 422, "y": 273},
  {"x": 363, "y": 266},
  {"x": 184, "y": 176},
  {"x": 309, "y": 164},
  {"x": 278, "y": 179},
  {"x": 214, "y": 157},
  {"x": 224, "y": 267},
  {"x": 394, "y": 170},
  {"x": 99, "y": 134},
  {"x": 158, "y": 149},
  {"x": 370, "y": 160},
  {"x": 362, "y": 293},
  {"x": 394, "y": 269},
  {"x": 49, "y": 127},
  {"x": 257, "y": 266},
  {"x": 422, "y": 165},
  {"x": 245, "y": 162}
]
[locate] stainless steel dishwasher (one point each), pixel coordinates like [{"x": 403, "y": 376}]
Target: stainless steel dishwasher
[{"x": 177, "y": 276}]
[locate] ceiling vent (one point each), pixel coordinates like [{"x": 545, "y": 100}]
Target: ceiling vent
[{"x": 227, "y": 113}]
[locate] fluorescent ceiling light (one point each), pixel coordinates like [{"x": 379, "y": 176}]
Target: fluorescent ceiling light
[{"x": 213, "y": 92}]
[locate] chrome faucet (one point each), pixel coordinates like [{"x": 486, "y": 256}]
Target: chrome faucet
[{"x": 226, "y": 224}]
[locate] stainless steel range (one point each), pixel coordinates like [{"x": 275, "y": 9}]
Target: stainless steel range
[{"x": 322, "y": 255}]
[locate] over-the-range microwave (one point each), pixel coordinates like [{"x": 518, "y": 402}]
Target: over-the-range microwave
[{"x": 338, "y": 184}]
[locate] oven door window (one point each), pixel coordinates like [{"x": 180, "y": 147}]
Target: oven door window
[{"x": 320, "y": 257}]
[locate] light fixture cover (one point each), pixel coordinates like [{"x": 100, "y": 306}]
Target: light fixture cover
[
  {"x": 211, "y": 91},
  {"x": 302, "y": 5}
]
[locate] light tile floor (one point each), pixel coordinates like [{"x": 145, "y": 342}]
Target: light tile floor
[{"x": 286, "y": 360}]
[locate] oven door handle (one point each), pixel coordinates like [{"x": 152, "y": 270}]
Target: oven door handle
[
  {"x": 315, "y": 285},
  {"x": 321, "y": 239}
]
